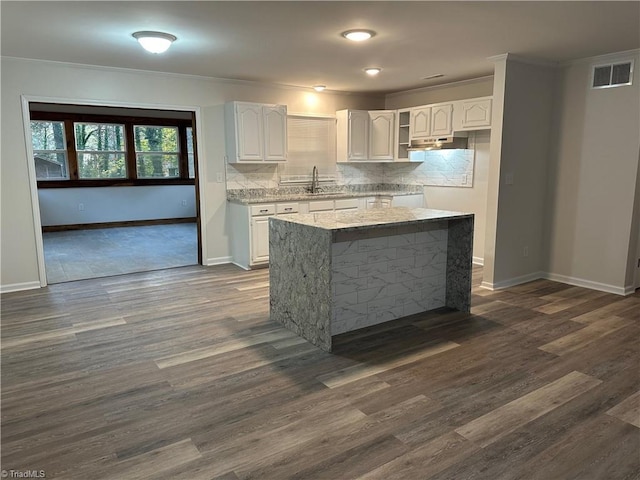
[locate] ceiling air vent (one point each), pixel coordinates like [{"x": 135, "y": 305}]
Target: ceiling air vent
[{"x": 613, "y": 75}]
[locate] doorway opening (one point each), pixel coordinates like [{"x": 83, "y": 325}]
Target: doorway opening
[{"x": 117, "y": 189}]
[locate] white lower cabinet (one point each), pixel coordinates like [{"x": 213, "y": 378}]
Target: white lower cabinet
[
  {"x": 260, "y": 240},
  {"x": 316, "y": 206},
  {"x": 411, "y": 201},
  {"x": 347, "y": 204},
  {"x": 379, "y": 202}
]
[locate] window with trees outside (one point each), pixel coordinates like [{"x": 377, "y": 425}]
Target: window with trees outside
[
  {"x": 100, "y": 150},
  {"x": 72, "y": 150},
  {"x": 49, "y": 150}
]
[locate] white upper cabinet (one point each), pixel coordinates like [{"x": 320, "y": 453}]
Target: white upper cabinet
[
  {"x": 255, "y": 133},
  {"x": 441, "y": 120},
  {"x": 358, "y": 135},
  {"x": 472, "y": 114},
  {"x": 363, "y": 135},
  {"x": 275, "y": 133},
  {"x": 381, "y": 134},
  {"x": 431, "y": 121},
  {"x": 420, "y": 126}
]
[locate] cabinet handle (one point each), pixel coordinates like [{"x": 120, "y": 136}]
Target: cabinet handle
[
  {"x": 288, "y": 209},
  {"x": 264, "y": 210}
]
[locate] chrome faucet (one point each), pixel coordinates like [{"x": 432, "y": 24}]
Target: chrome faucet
[{"x": 314, "y": 180}]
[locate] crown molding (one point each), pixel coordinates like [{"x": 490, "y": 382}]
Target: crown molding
[
  {"x": 539, "y": 62},
  {"x": 439, "y": 86},
  {"x": 202, "y": 78}
]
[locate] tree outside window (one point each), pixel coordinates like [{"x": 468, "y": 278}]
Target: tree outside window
[
  {"x": 157, "y": 151},
  {"x": 101, "y": 150}
]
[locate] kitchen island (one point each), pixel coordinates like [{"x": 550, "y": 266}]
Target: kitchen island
[{"x": 334, "y": 272}]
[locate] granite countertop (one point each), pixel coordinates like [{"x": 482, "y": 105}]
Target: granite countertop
[
  {"x": 248, "y": 197},
  {"x": 346, "y": 221}
]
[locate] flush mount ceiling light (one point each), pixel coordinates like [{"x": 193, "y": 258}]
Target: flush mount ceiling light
[
  {"x": 319, "y": 88},
  {"x": 154, "y": 42},
  {"x": 373, "y": 71},
  {"x": 358, "y": 35}
]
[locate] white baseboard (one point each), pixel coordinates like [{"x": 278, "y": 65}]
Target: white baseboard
[
  {"x": 244, "y": 267},
  {"x": 17, "y": 287},
  {"x": 217, "y": 261},
  {"x": 580, "y": 282},
  {"x": 512, "y": 282},
  {"x": 478, "y": 261},
  {"x": 576, "y": 282}
]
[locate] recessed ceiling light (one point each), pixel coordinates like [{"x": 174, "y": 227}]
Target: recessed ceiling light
[
  {"x": 358, "y": 35},
  {"x": 154, "y": 42},
  {"x": 435, "y": 75},
  {"x": 319, "y": 88},
  {"x": 373, "y": 71}
]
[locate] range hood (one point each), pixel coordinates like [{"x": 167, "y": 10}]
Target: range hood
[{"x": 438, "y": 143}]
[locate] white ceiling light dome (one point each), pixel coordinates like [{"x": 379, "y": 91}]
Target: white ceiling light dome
[
  {"x": 358, "y": 35},
  {"x": 154, "y": 42},
  {"x": 373, "y": 71}
]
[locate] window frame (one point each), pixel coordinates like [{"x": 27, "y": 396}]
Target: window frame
[
  {"x": 35, "y": 152},
  {"x": 130, "y": 154}
]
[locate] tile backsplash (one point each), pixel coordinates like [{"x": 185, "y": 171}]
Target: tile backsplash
[{"x": 446, "y": 168}]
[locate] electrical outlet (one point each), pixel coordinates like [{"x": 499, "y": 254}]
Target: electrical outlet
[
  {"x": 464, "y": 179},
  {"x": 81, "y": 207},
  {"x": 508, "y": 179},
  {"x": 184, "y": 203},
  {"x": 525, "y": 251},
  {"x": 219, "y": 177}
]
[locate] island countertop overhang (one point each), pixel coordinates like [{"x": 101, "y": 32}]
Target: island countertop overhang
[{"x": 373, "y": 218}]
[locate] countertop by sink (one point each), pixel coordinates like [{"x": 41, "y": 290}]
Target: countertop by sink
[{"x": 249, "y": 197}]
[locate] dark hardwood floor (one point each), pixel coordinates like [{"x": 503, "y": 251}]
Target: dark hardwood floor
[{"x": 179, "y": 374}]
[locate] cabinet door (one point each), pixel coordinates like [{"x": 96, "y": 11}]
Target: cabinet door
[
  {"x": 411, "y": 201},
  {"x": 321, "y": 206},
  {"x": 476, "y": 114},
  {"x": 381, "y": 134},
  {"x": 275, "y": 133},
  {"x": 347, "y": 204},
  {"x": 259, "y": 239},
  {"x": 420, "y": 126},
  {"x": 358, "y": 137},
  {"x": 249, "y": 132},
  {"x": 441, "y": 116}
]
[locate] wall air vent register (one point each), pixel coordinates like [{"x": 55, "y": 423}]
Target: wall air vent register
[{"x": 612, "y": 75}]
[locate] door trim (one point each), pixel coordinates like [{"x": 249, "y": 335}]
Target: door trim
[{"x": 31, "y": 167}]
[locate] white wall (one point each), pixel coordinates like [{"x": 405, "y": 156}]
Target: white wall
[
  {"x": 593, "y": 181},
  {"x": 74, "y": 206},
  {"x": 75, "y": 83},
  {"x": 520, "y": 142}
]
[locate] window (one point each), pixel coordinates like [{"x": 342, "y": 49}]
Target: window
[
  {"x": 100, "y": 150},
  {"x": 87, "y": 149},
  {"x": 157, "y": 152},
  {"x": 49, "y": 150},
  {"x": 311, "y": 141}
]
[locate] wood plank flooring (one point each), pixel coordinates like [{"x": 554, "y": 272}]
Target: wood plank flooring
[{"x": 179, "y": 374}]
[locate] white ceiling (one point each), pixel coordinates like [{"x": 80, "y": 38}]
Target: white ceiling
[{"x": 299, "y": 43}]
